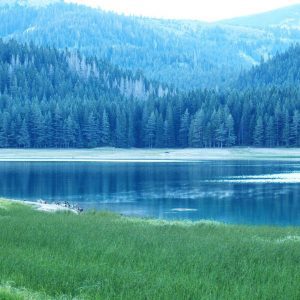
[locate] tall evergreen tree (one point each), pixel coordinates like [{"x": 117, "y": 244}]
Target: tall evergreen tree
[
  {"x": 270, "y": 132},
  {"x": 121, "y": 129},
  {"x": 286, "y": 129},
  {"x": 230, "y": 135},
  {"x": 259, "y": 133},
  {"x": 105, "y": 130},
  {"x": 295, "y": 130},
  {"x": 23, "y": 138},
  {"x": 197, "y": 128},
  {"x": 150, "y": 131},
  {"x": 184, "y": 129},
  {"x": 91, "y": 131}
]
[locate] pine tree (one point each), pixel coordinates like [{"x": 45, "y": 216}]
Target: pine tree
[
  {"x": 132, "y": 131},
  {"x": 58, "y": 139},
  {"x": 105, "y": 130},
  {"x": 159, "y": 132},
  {"x": 121, "y": 129},
  {"x": 286, "y": 129},
  {"x": 166, "y": 136},
  {"x": 230, "y": 135},
  {"x": 4, "y": 129},
  {"x": 191, "y": 132},
  {"x": 184, "y": 129},
  {"x": 270, "y": 132},
  {"x": 23, "y": 138},
  {"x": 169, "y": 128},
  {"x": 12, "y": 136},
  {"x": 259, "y": 133},
  {"x": 150, "y": 131},
  {"x": 91, "y": 131},
  {"x": 221, "y": 135},
  {"x": 70, "y": 136},
  {"x": 295, "y": 130},
  {"x": 278, "y": 125}
]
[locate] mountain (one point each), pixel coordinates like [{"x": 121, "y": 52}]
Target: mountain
[
  {"x": 285, "y": 18},
  {"x": 184, "y": 54},
  {"x": 53, "y": 71},
  {"x": 281, "y": 70}
]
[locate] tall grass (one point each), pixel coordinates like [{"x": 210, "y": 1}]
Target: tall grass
[{"x": 106, "y": 256}]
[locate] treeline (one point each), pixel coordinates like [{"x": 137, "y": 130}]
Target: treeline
[
  {"x": 203, "y": 119},
  {"x": 54, "y": 99}
]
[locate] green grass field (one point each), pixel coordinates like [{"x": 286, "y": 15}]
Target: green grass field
[{"x": 106, "y": 256}]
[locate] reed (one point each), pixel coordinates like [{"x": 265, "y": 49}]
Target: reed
[{"x": 106, "y": 256}]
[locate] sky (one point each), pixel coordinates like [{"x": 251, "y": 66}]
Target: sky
[{"x": 205, "y": 10}]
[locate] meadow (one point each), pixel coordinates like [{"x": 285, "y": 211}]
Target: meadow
[{"x": 106, "y": 256}]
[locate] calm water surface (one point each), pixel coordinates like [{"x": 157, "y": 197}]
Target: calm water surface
[{"x": 231, "y": 191}]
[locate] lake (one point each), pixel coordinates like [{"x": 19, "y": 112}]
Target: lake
[{"x": 236, "y": 192}]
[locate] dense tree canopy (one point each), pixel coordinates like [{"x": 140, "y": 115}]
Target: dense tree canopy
[
  {"x": 61, "y": 99},
  {"x": 283, "y": 69}
]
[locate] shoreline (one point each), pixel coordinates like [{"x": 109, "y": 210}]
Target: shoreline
[
  {"x": 54, "y": 208},
  {"x": 41, "y": 206},
  {"x": 111, "y": 155}
]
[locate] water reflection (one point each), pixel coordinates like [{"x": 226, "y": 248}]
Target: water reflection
[{"x": 233, "y": 192}]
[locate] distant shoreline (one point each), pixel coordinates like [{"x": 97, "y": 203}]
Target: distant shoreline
[{"x": 147, "y": 155}]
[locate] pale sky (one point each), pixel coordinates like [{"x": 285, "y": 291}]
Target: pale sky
[{"x": 205, "y": 10}]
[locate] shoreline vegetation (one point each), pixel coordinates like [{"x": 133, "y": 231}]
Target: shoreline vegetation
[
  {"x": 100, "y": 255},
  {"x": 44, "y": 206},
  {"x": 148, "y": 155}
]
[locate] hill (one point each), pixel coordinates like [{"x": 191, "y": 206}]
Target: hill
[
  {"x": 63, "y": 99},
  {"x": 286, "y": 18},
  {"x": 282, "y": 70},
  {"x": 185, "y": 54}
]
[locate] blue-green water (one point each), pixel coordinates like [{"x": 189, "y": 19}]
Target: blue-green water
[{"x": 231, "y": 191}]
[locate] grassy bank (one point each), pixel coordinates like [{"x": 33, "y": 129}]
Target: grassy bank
[{"x": 106, "y": 256}]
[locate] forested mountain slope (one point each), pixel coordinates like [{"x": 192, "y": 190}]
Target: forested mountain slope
[
  {"x": 59, "y": 99},
  {"x": 46, "y": 94},
  {"x": 186, "y": 54},
  {"x": 286, "y": 17},
  {"x": 282, "y": 70}
]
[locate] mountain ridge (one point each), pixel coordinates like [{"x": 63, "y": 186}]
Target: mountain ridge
[
  {"x": 271, "y": 18},
  {"x": 184, "y": 54}
]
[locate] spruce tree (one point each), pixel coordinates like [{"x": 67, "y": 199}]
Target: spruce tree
[
  {"x": 91, "y": 131},
  {"x": 295, "y": 129},
  {"x": 121, "y": 130},
  {"x": 259, "y": 133},
  {"x": 198, "y": 130},
  {"x": 230, "y": 135},
  {"x": 23, "y": 138},
  {"x": 159, "y": 132},
  {"x": 70, "y": 136},
  {"x": 105, "y": 130},
  {"x": 286, "y": 129},
  {"x": 270, "y": 132},
  {"x": 184, "y": 129},
  {"x": 150, "y": 131}
]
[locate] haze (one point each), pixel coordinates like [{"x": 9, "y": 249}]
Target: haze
[{"x": 212, "y": 10}]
